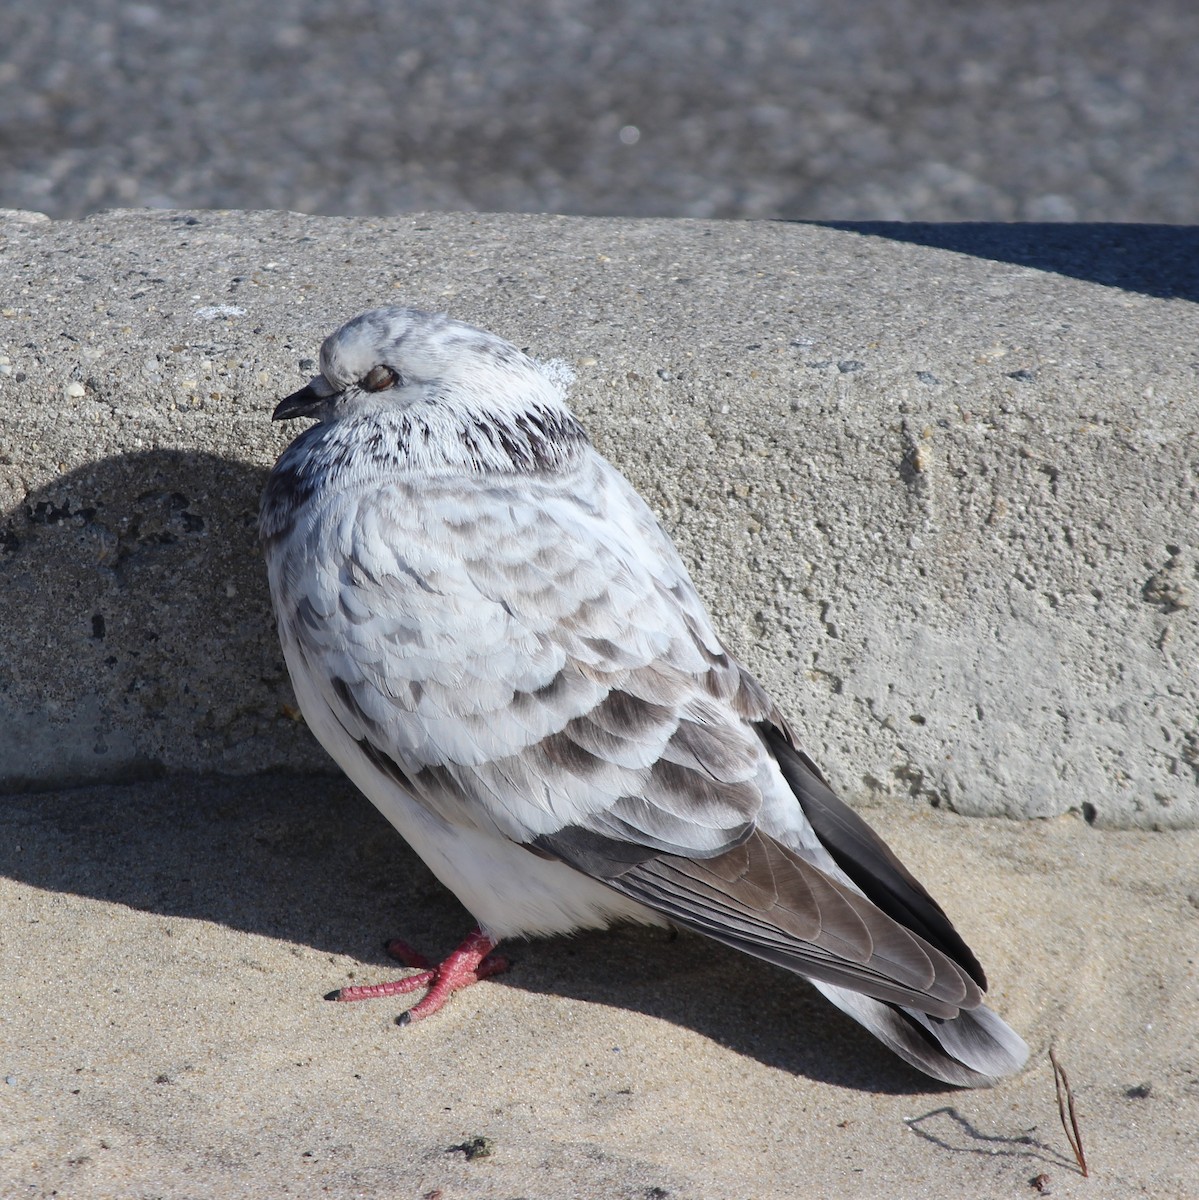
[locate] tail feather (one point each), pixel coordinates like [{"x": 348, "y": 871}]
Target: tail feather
[{"x": 974, "y": 1049}]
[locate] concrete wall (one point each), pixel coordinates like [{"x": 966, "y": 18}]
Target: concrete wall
[{"x": 943, "y": 503}]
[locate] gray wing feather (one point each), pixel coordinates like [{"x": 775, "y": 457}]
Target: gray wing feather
[
  {"x": 510, "y": 641},
  {"x": 764, "y": 899},
  {"x": 864, "y": 856}
]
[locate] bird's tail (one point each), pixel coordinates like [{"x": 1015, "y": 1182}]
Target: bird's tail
[{"x": 974, "y": 1049}]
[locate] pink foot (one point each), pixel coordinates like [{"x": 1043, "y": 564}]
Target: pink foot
[{"x": 468, "y": 964}]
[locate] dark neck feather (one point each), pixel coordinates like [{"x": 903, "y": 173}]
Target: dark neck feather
[{"x": 536, "y": 441}]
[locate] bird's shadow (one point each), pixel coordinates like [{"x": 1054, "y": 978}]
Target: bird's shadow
[
  {"x": 137, "y": 636},
  {"x": 307, "y": 860}
]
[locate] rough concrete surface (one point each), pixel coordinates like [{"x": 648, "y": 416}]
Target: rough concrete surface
[{"x": 945, "y": 506}]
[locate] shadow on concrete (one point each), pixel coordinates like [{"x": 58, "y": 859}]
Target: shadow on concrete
[
  {"x": 309, "y": 861},
  {"x": 138, "y": 635},
  {"x": 1159, "y": 260}
]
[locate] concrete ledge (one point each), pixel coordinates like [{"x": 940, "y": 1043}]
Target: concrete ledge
[{"x": 944, "y": 505}]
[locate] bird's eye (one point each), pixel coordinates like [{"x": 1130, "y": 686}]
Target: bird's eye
[{"x": 379, "y": 379}]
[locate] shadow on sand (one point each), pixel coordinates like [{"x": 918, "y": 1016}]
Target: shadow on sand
[{"x": 307, "y": 860}]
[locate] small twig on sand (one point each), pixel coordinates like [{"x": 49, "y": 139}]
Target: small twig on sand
[{"x": 1065, "y": 1110}]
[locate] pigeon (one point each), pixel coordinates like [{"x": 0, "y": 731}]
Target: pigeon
[{"x": 493, "y": 636}]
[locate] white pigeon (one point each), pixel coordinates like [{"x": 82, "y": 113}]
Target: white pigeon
[{"x": 490, "y": 632}]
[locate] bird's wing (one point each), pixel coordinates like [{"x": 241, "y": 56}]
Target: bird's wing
[
  {"x": 533, "y": 659},
  {"x": 526, "y": 656},
  {"x": 864, "y": 857}
]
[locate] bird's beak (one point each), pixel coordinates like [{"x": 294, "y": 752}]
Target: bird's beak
[{"x": 305, "y": 402}]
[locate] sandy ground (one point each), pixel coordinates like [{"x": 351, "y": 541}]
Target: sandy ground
[{"x": 166, "y": 947}]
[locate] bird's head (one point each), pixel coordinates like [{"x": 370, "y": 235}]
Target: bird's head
[
  {"x": 397, "y": 357},
  {"x": 451, "y": 395}
]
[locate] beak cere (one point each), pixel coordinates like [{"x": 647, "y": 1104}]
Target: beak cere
[{"x": 303, "y": 403}]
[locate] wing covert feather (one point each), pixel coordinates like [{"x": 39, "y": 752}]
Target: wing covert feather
[{"x": 550, "y": 657}]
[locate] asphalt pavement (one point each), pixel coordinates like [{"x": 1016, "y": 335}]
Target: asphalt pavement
[{"x": 903, "y": 111}]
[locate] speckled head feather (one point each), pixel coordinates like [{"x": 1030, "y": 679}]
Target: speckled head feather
[{"x": 404, "y": 390}]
